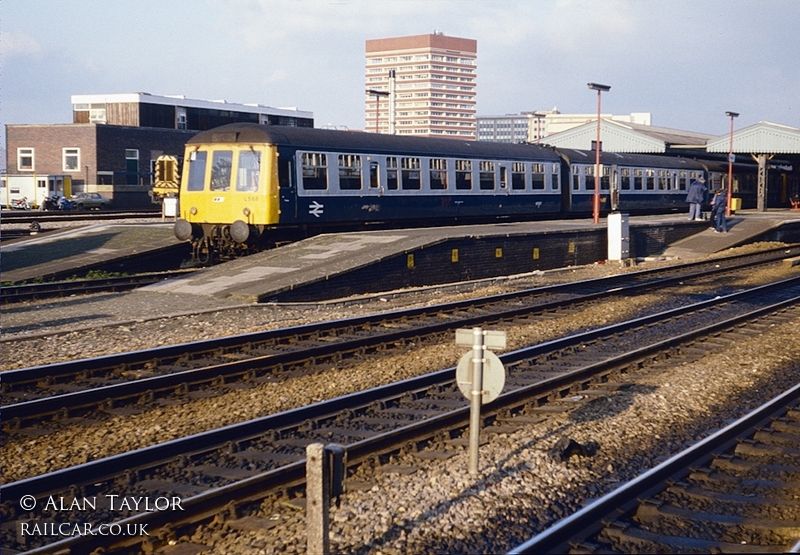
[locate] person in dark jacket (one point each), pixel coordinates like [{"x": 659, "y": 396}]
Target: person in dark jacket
[
  {"x": 695, "y": 196},
  {"x": 718, "y": 208}
]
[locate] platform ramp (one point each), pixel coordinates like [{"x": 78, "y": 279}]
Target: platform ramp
[
  {"x": 308, "y": 261},
  {"x": 742, "y": 229}
]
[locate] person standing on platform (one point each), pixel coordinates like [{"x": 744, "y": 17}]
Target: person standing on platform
[
  {"x": 695, "y": 197},
  {"x": 718, "y": 208}
]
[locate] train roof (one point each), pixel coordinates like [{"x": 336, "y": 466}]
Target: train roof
[
  {"x": 626, "y": 159},
  {"x": 358, "y": 141}
]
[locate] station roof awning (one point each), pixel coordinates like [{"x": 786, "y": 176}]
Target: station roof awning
[
  {"x": 628, "y": 137},
  {"x": 762, "y": 137}
]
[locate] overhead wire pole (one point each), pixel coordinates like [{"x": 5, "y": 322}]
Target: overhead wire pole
[
  {"x": 596, "y": 200},
  {"x": 729, "y": 193}
]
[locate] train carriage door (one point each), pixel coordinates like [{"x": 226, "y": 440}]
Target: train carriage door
[
  {"x": 614, "y": 187},
  {"x": 374, "y": 177},
  {"x": 287, "y": 185},
  {"x": 503, "y": 177}
]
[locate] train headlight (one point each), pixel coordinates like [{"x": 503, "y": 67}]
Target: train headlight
[
  {"x": 193, "y": 210},
  {"x": 246, "y": 212}
]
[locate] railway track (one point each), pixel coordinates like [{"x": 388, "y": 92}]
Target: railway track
[
  {"x": 30, "y": 216},
  {"x": 95, "y": 388},
  {"x": 245, "y": 463},
  {"x": 18, "y": 293},
  {"x": 732, "y": 492}
]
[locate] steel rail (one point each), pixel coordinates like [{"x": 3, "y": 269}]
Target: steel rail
[
  {"x": 17, "y": 293},
  {"x": 29, "y": 216},
  {"x": 207, "y": 504},
  {"x": 589, "y": 520},
  {"x": 101, "y": 469},
  {"x": 164, "y": 355}
]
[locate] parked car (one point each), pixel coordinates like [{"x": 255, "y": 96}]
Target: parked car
[{"x": 89, "y": 201}]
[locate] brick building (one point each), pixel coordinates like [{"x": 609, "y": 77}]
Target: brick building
[{"x": 112, "y": 146}]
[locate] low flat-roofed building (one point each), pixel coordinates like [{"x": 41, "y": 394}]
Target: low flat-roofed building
[{"x": 113, "y": 143}]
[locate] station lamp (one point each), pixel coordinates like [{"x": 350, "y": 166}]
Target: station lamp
[
  {"x": 377, "y": 95},
  {"x": 596, "y": 201},
  {"x": 729, "y": 193}
]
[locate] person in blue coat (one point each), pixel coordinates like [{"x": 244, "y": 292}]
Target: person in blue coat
[
  {"x": 718, "y": 209},
  {"x": 695, "y": 197}
]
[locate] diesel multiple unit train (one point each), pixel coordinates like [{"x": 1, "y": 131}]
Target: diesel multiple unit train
[{"x": 245, "y": 186}]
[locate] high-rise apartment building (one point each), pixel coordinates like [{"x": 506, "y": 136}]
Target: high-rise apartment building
[{"x": 423, "y": 85}]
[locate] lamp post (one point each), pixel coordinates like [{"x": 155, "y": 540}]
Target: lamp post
[
  {"x": 729, "y": 193},
  {"x": 538, "y": 116},
  {"x": 596, "y": 203},
  {"x": 377, "y": 95}
]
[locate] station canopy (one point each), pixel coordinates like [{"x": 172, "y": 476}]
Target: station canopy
[
  {"x": 618, "y": 136},
  {"x": 761, "y": 138}
]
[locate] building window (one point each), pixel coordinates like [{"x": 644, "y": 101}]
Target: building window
[
  {"x": 181, "y": 118},
  {"x": 71, "y": 159},
  {"x": 131, "y": 166},
  {"x": 25, "y": 159},
  {"x": 97, "y": 113}
]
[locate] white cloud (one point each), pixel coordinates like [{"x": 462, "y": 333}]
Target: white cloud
[
  {"x": 14, "y": 44},
  {"x": 277, "y": 76}
]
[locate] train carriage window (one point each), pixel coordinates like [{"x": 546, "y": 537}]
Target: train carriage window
[
  {"x": 463, "y": 175},
  {"x": 518, "y": 176},
  {"x": 410, "y": 171},
  {"x": 438, "y": 169},
  {"x": 664, "y": 180},
  {"x": 391, "y": 173},
  {"x": 589, "y": 181},
  {"x": 637, "y": 180},
  {"x": 374, "y": 175},
  {"x": 649, "y": 181},
  {"x": 605, "y": 178},
  {"x": 486, "y": 176},
  {"x": 221, "y": 168},
  {"x": 315, "y": 171},
  {"x": 537, "y": 176},
  {"x": 248, "y": 171},
  {"x": 197, "y": 170},
  {"x": 576, "y": 178},
  {"x": 682, "y": 181},
  {"x": 349, "y": 172},
  {"x": 625, "y": 179},
  {"x": 555, "y": 176}
]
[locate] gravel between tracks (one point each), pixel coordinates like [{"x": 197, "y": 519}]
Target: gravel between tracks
[{"x": 440, "y": 508}]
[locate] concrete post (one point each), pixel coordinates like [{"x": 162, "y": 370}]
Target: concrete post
[{"x": 317, "y": 499}]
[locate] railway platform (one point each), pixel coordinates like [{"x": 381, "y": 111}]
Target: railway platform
[
  {"x": 62, "y": 254},
  {"x": 344, "y": 264},
  {"x": 340, "y": 265}
]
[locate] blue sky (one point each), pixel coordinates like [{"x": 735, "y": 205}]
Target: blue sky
[{"x": 684, "y": 61}]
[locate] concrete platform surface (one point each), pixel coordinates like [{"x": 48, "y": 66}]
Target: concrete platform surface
[{"x": 61, "y": 252}]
